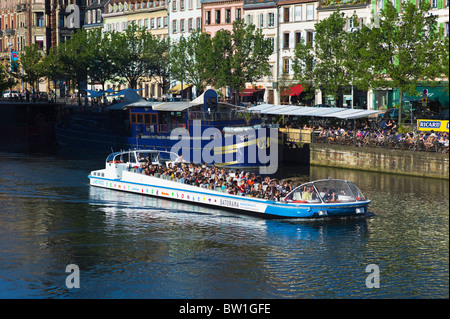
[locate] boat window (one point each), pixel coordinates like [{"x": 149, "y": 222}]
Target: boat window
[
  {"x": 335, "y": 191},
  {"x": 147, "y": 118},
  {"x": 358, "y": 194},
  {"x": 140, "y": 118},
  {"x": 304, "y": 194}
]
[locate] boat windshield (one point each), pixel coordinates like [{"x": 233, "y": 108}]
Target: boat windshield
[
  {"x": 327, "y": 191},
  {"x": 141, "y": 156}
]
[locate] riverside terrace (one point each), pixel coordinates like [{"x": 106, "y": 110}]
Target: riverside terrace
[
  {"x": 351, "y": 130},
  {"x": 383, "y": 138}
]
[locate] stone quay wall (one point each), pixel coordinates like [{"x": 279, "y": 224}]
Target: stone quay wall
[{"x": 404, "y": 162}]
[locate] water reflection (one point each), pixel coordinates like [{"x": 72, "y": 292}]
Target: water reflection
[
  {"x": 133, "y": 246},
  {"x": 213, "y": 247}
]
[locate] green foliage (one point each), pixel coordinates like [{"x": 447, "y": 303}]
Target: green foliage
[
  {"x": 239, "y": 56},
  {"x": 399, "y": 50},
  {"x": 30, "y": 61},
  {"x": 406, "y": 48},
  {"x": 324, "y": 66},
  {"x": 190, "y": 58},
  {"x": 5, "y": 82}
]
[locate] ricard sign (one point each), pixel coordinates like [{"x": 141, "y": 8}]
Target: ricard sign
[{"x": 432, "y": 125}]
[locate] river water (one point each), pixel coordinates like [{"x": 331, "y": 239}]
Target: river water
[{"x": 132, "y": 246}]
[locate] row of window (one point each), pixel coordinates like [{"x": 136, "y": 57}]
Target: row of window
[
  {"x": 144, "y": 118},
  {"x": 295, "y": 13},
  {"x": 22, "y": 21},
  {"x": 149, "y": 24},
  {"x": 180, "y": 5},
  {"x": 309, "y": 37},
  {"x": 186, "y": 25},
  {"x": 119, "y": 7},
  {"x": 217, "y": 13},
  {"x": 262, "y": 20}
]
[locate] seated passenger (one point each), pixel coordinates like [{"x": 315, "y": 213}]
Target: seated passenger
[{"x": 307, "y": 193}]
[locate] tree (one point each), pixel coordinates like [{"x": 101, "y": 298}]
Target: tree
[
  {"x": 134, "y": 50},
  {"x": 189, "y": 59},
  {"x": 239, "y": 56},
  {"x": 325, "y": 68},
  {"x": 5, "y": 82},
  {"x": 302, "y": 65},
  {"x": 358, "y": 61},
  {"x": 403, "y": 49},
  {"x": 51, "y": 67},
  {"x": 158, "y": 58},
  {"x": 76, "y": 55},
  {"x": 30, "y": 61},
  {"x": 102, "y": 68}
]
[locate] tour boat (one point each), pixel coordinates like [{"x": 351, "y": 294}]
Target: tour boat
[{"x": 316, "y": 199}]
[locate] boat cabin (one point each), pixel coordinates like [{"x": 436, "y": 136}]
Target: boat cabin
[{"x": 326, "y": 191}]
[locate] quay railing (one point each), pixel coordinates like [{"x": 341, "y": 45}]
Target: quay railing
[{"x": 375, "y": 139}]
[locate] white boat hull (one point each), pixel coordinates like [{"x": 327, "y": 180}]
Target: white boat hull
[{"x": 148, "y": 185}]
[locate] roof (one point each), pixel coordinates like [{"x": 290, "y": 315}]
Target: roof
[
  {"x": 338, "y": 112},
  {"x": 171, "y": 106},
  {"x": 96, "y": 4},
  {"x": 177, "y": 88}
]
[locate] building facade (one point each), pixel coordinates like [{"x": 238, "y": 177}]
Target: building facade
[
  {"x": 264, "y": 15},
  {"x": 47, "y": 23},
  {"x": 44, "y": 23},
  {"x": 220, "y": 14},
  {"x": 185, "y": 16}
]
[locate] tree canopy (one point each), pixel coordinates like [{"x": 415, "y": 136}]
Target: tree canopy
[{"x": 399, "y": 49}]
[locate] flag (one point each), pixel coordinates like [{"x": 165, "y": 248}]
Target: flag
[{"x": 14, "y": 56}]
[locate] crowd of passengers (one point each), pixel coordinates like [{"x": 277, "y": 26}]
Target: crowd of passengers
[
  {"x": 385, "y": 134},
  {"x": 235, "y": 182}
]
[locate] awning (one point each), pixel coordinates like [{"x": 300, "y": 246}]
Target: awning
[
  {"x": 177, "y": 88},
  {"x": 338, "y": 112},
  {"x": 250, "y": 92},
  {"x": 296, "y": 90},
  {"x": 171, "y": 106},
  {"x": 199, "y": 100},
  {"x": 293, "y": 90}
]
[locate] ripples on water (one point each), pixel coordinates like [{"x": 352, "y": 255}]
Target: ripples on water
[{"x": 132, "y": 246}]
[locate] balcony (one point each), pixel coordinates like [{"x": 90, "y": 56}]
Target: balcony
[{"x": 9, "y": 32}]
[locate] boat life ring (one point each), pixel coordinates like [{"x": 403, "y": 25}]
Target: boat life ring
[{"x": 299, "y": 201}]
